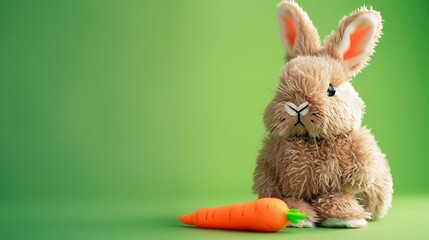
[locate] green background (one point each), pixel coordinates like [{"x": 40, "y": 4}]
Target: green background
[{"x": 116, "y": 116}]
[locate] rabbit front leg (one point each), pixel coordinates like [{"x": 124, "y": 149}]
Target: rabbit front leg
[
  {"x": 265, "y": 185},
  {"x": 361, "y": 168},
  {"x": 358, "y": 170},
  {"x": 340, "y": 210},
  {"x": 304, "y": 207}
]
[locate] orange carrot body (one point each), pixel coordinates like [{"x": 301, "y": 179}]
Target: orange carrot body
[{"x": 262, "y": 215}]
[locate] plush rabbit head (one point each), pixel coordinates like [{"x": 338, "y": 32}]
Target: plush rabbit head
[{"x": 315, "y": 97}]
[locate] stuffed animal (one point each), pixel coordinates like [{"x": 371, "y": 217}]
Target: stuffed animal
[{"x": 317, "y": 157}]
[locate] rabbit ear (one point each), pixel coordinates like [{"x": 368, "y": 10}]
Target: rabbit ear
[
  {"x": 356, "y": 39},
  {"x": 297, "y": 32}
]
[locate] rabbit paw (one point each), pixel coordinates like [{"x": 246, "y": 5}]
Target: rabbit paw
[
  {"x": 302, "y": 224},
  {"x": 344, "y": 223}
]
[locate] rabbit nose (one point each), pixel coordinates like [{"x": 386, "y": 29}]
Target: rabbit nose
[{"x": 294, "y": 110}]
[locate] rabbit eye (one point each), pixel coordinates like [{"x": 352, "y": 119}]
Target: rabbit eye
[{"x": 331, "y": 90}]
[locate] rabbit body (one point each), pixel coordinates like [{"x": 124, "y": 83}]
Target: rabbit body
[
  {"x": 346, "y": 177},
  {"x": 317, "y": 157}
]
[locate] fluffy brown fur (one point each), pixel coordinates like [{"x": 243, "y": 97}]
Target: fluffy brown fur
[{"x": 329, "y": 166}]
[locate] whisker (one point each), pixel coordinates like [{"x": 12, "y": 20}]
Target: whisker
[
  {"x": 259, "y": 143},
  {"x": 270, "y": 90}
]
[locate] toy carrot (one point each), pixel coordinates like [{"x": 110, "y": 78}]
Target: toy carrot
[{"x": 262, "y": 215}]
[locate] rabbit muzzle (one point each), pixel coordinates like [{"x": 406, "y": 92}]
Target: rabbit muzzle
[{"x": 298, "y": 111}]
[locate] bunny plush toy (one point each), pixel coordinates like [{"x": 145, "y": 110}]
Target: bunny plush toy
[{"x": 317, "y": 157}]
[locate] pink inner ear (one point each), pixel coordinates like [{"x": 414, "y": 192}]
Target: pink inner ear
[
  {"x": 356, "y": 42},
  {"x": 290, "y": 31}
]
